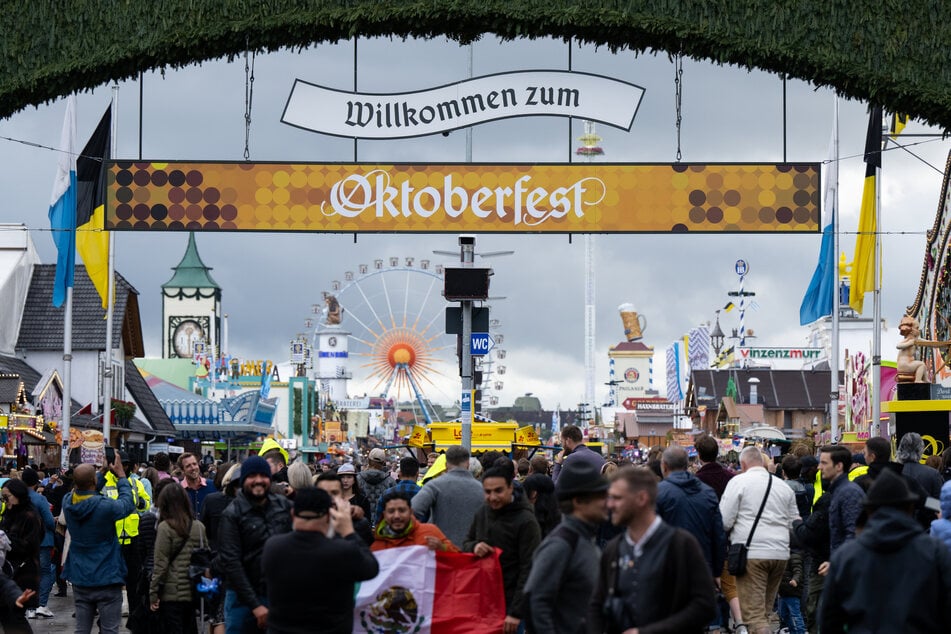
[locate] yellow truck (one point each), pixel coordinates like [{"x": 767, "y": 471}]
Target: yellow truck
[{"x": 486, "y": 436}]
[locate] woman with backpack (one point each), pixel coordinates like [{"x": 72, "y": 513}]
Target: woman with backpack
[{"x": 178, "y": 534}]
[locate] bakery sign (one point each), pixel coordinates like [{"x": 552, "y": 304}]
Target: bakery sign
[{"x": 462, "y": 104}]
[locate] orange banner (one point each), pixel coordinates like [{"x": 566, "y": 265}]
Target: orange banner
[{"x": 459, "y": 198}]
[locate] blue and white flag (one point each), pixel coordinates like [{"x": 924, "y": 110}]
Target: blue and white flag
[
  {"x": 819, "y": 299},
  {"x": 62, "y": 212}
]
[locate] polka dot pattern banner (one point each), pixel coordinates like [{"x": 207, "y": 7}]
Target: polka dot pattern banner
[{"x": 454, "y": 198}]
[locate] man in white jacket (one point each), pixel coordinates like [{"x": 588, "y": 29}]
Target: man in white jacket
[{"x": 769, "y": 548}]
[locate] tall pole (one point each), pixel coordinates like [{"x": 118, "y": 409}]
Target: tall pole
[
  {"x": 67, "y": 377},
  {"x": 834, "y": 356},
  {"x": 877, "y": 307},
  {"x": 107, "y": 376},
  {"x": 466, "y": 256},
  {"x": 589, "y": 325}
]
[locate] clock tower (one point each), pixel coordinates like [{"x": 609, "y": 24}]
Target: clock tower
[{"x": 191, "y": 306}]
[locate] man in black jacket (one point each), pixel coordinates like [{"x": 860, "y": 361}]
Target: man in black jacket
[
  {"x": 300, "y": 601},
  {"x": 892, "y": 552},
  {"x": 565, "y": 566},
  {"x": 812, "y": 534},
  {"x": 253, "y": 517},
  {"x": 505, "y": 521},
  {"x": 649, "y": 579}
]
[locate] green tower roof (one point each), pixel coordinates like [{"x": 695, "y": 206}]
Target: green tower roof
[{"x": 191, "y": 272}]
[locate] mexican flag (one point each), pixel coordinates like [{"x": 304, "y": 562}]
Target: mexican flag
[{"x": 419, "y": 591}]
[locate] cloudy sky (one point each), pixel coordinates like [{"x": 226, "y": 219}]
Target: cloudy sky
[{"x": 270, "y": 281}]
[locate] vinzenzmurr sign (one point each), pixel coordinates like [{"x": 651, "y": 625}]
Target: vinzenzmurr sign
[{"x": 462, "y": 104}]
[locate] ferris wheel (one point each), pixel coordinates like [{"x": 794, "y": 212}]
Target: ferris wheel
[{"x": 392, "y": 313}]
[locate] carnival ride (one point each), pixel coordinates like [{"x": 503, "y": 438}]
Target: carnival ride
[{"x": 392, "y": 312}]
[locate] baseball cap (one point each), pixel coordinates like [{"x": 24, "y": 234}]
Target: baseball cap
[{"x": 377, "y": 455}]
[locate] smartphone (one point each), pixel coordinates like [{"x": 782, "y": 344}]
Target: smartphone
[{"x": 110, "y": 455}]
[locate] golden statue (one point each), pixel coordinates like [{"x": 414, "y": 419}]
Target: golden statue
[{"x": 907, "y": 364}]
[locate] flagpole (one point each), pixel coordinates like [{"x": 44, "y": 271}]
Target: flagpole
[
  {"x": 67, "y": 375},
  {"x": 107, "y": 376},
  {"x": 877, "y": 303},
  {"x": 834, "y": 356}
]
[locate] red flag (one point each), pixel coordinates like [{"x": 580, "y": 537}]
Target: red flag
[{"x": 470, "y": 596}]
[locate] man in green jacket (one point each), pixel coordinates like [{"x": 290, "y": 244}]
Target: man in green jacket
[{"x": 506, "y": 521}]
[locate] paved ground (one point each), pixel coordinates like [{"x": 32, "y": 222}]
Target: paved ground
[{"x": 63, "y": 622}]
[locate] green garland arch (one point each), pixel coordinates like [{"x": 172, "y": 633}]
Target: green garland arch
[{"x": 890, "y": 52}]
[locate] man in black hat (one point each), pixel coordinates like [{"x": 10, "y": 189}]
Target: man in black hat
[
  {"x": 892, "y": 552},
  {"x": 565, "y": 566},
  {"x": 299, "y": 600}
]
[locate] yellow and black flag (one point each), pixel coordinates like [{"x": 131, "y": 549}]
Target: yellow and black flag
[
  {"x": 899, "y": 121},
  {"x": 862, "y": 276},
  {"x": 92, "y": 241}
]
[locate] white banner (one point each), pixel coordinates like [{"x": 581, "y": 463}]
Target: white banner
[
  {"x": 462, "y": 104},
  {"x": 400, "y": 597}
]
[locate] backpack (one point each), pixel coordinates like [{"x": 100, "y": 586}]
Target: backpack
[
  {"x": 374, "y": 491},
  {"x": 569, "y": 536},
  {"x": 803, "y": 503}
]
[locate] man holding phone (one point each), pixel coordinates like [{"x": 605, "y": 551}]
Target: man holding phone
[
  {"x": 298, "y": 599},
  {"x": 575, "y": 451},
  {"x": 95, "y": 566}
]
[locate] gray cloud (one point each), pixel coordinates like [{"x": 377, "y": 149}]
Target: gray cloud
[{"x": 271, "y": 280}]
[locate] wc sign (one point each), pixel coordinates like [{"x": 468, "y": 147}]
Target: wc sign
[{"x": 480, "y": 343}]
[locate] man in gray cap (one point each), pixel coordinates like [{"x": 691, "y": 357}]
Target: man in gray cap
[
  {"x": 892, "y": 552},
  {"x": 255, "y": 515},
  {"x": 565, "y": 566}
]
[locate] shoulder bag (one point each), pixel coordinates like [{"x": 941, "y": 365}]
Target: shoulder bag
[{"x": 736, "y": 557}]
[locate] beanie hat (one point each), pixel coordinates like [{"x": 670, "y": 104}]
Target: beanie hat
[
  {"x": 579, "y": 478},
  {"x": 255, "y": 465}
]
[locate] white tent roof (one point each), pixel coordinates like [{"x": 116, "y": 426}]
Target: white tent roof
[{"x": 17, "y": 257}]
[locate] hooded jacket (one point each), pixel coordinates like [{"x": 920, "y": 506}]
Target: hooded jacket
[
  {"x": 95, "y": 559},
  {"x": 942, "y": 528},
  {"x": 891, "y": 552},
  {"x": 415, "y": 536},
  {"x": 686, "y": 502},
  {"x": 514, "y": 529},
  {"x": 373, "y": 483}
]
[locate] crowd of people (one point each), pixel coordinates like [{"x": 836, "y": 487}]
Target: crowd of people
[{"x": 679, "y": 544}]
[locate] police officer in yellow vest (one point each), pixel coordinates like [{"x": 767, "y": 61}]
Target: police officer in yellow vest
[{"x": 127, "y": 528}]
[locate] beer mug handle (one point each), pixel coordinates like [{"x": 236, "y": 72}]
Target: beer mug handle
[{"x": 642, "y": 321}]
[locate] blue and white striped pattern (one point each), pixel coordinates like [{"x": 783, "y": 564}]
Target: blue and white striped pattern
[
  {"x": 674, "y": 393},
  {"x": 700, "y": 348}
]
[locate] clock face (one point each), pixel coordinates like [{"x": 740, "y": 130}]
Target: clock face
[
  {"x": 332, "y": 342},
  {"x": 186, "y": 334}
]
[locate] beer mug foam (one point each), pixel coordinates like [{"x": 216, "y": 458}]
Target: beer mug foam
[{"x": 634, "y": 324}]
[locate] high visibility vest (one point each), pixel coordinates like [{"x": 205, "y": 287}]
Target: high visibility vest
[
  {"x": 128, "y": 527},
  {"x": 858, "y": 471},
  {"x": 818, "y": 488}
]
